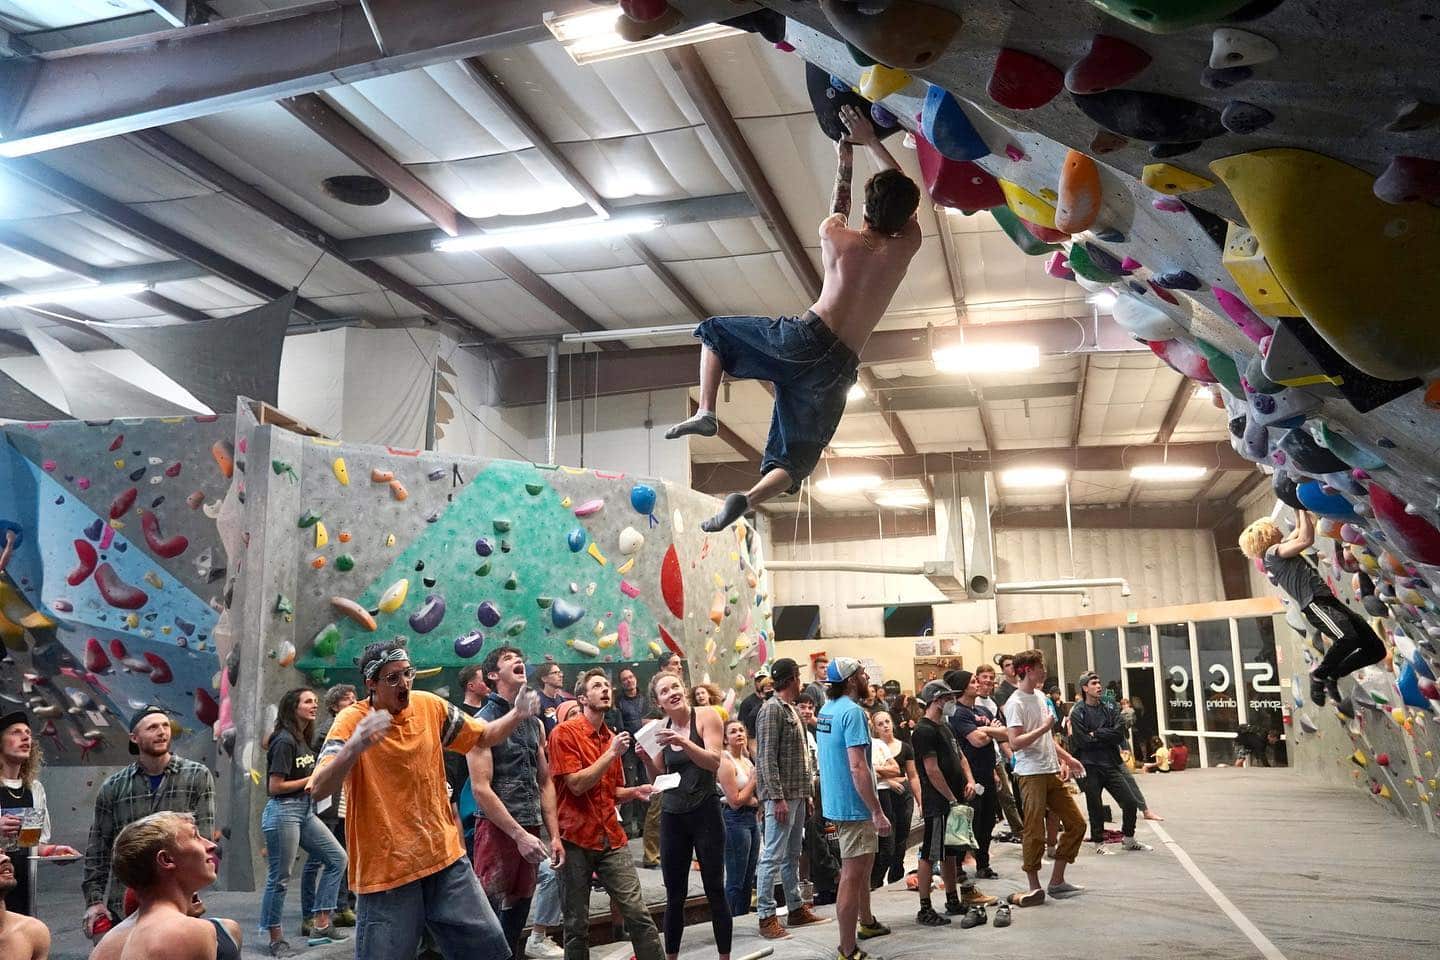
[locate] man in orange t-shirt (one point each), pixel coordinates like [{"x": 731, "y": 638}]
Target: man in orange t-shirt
[
  {"x": 589, "y": 781},
  {"x": 406, "y": 860}
]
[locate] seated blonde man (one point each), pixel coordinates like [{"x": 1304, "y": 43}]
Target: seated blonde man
[
  {"x": 21, "y": 937},
  {"x": 165, "y": 861}
]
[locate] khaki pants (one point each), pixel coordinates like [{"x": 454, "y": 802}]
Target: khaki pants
[
  {"x": 1041, "y": 792},
  {"x": 1007, "y": 801},
  {"x": 652, "y": 831}
]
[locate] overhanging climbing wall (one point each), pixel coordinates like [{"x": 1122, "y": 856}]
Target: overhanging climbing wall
[{"x": 346, "y": 544}]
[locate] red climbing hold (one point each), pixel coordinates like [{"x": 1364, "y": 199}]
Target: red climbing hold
[
  {"x": 959, "y": 184},
  {"x": 85, "y": 560},
  {"x": 670, "y": 643},
  {"x": 207, "y": 711},
  {"x": 117, "y": 592},
  {"x": 1109, "y": 63},
  {"x": 160, "y": 545},
  {"x": 1383, "y": 759},
  {"x": 159, "y": 669},
  {"x": 1183, "y": 358},
  {"x": 1162, "y": 293},
  {"x": 672, "y": 584},
  {"x": 117, "y": 443},
  {"x": 95, "y": 659},
  {"x": 1045, "y": 234},
  {"x": 117, "y": 648},
  {"x": 1411, "y": 533},
  {"x": 1408, "y": 179},
  {"x": 122, "y": 503},
  {"x": 1023, "y": 81},
  {"x": 644, "y": 10},
  {"x": 173, "y": 470}
]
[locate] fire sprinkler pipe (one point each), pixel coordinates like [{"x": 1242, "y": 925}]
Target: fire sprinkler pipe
[
  {"x": 846, "y": 566},
  {"x": 1022, "y": 586}
]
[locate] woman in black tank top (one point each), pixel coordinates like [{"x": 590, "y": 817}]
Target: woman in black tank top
[{"x": 690, "y": 823}]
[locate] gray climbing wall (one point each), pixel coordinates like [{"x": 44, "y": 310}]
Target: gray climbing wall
[{"x": 344, "y": 544}]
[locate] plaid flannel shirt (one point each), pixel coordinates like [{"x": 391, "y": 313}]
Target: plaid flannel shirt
[
  {"x": 124, "y": 798},
  {"x": 782, "y": 761}
]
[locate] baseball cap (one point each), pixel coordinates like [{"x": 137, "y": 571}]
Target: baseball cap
[
  {"x": 935, "y": 690},
  {"x": 841, "y": 669},
  {"x": 784, "y": 670},
  {"x": 135, "y": 722},
  {"x": 762, "y": 673},
  {"x": 12, "y": 718},
  {"x": 1086, "y": 677},
  {"x": 892, "y": 687}
]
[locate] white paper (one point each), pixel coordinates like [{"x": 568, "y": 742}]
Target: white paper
[
  {"x": 648, "y": 738},
  {"x": 323, "y": 804},
  {"x": 666, "y": 781}
]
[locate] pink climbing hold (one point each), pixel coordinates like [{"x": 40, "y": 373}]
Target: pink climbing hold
[
  {"x": 589, "y": 508},
  {"x": 1014, "y": 152},
  {"x": 1162, "y": 293},
  {"x": 159, "y": 669},
  {"x": 95, "y": 659},
  {"x": 629, "y": 589},
  {"x": 1239, "y": 311},
  {"x": 1408, "y": 179},
  {"x": 1058, "y": 267},
  {"x": 1109, "y": 63},
  {"x": 173, "y": 470},
  {"x": 1184, "y": 359},
  {"x": 1167, "y": 205},
  {"x": 1130, "y": 263},
  {"x": 117, "y": 592},
  {"x": 1410, "y": 533},
  {"x": 48, "y": 466},
  {"x": 783, "y": 46},
  {"x": 1023, "y": 81}
]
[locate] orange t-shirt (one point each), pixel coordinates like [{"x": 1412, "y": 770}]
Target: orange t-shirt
[
  {"x": 398, "y": 824},
  {"x": 588, "y": 820}
]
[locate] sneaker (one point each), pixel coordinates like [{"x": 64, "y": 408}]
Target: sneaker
[
  {"x": 1002, "y": 915},
  {"x": 971, "y": 897},
  {"x": 1103, "y": 849},
  {"x": 1062, "y": 891},
  {"x": 1130, "y": 843},
  {"x": 344, "y": 918},
  {"x": 953, "y": 907},
  {"x": 1317, "y": 690},
  {"x": 1332, "y": 687},
  {"x": 871, "y": 930},
  {"x": 543, "y": 948},
  {"x": 328, "y": 933},
  {"x": 974, "y": 917},
  {"x": 985, "y": 873},
  {"x": 771, "y": 929},
  {"x": 281, "y": 948},
  {"x": 803, "y": 916},
  {"x": 856, "y": 954},
  {"x": 927, "y": 917}
]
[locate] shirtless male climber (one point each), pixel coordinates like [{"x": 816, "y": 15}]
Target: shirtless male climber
[{"x": 813, "y": 360}]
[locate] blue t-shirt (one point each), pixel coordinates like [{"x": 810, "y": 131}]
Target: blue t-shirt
[{"x": 842, "y": 724}]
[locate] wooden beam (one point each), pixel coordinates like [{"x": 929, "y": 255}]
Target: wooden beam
[
  {"x": 1234, "y": 566},
  {"x": 733, "y": 439},
  {"x": 875, "y": 389},
  {"x": 1217, "y": 610},
  {"x": 1178, "y": 402}
]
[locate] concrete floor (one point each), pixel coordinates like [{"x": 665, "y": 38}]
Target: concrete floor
[{"x": 1318, "y": 871}]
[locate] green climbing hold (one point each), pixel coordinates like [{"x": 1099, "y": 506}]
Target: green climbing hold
[
  {"x": 515, "y": 628},
  {"x": 544, "y": 602},
  {"x": 280, "y": 467},
  {"x": 504, "y": 546},
  {"x": 534, "y": 489},
  {"x": 1086, "y": 268},
  {"x": 512, "y": 583},
  {"x": 1222, "y": 365},
  {"x": 1029, "y": 244},
  {"x": 1379, "y": 697},
  {"x": 283, "y": 605},
  {"x": 327, "y": 641},
  {"x": 344, "y": 563},
  {"x": 502, "y": 526},
  {"x": 308, "y": 519},
  {"x": 483, "y": 570}
]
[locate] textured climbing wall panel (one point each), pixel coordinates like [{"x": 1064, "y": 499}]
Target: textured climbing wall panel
[{"x": 112, "y": 598}]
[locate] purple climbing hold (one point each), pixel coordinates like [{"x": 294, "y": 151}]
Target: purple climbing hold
[
  {"x": 1105, "y": 260},
  {"x": 469, "y": 645},
  {"x": 1223, "y": 78},
  {"x": 882, "y": 117},
  {"x": 488, "y": 613},
  {"x": 484, "y": 547},
  {"x": 93, "y": 531},
  {"x": 1153, "y": 117},
  {"x": 1109, "y": 63},
  {"x": 428, "y": 617},
  {"x": 1264, "y": 403},
  {"x": 1242, "y": 117},
  {"x": 1408, "y": 179},
  {"x": 1108, "y": 234},
  {"x": 1178, "y": 280},
  {"x": 576, "y": 539}
]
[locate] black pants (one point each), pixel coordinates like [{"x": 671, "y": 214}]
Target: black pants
[
  {"x": 900, "y": 828},
  {"x": 987, "y": 809},
  {"x": 891, "y": 848},
  {"x": 697, "y": 834},
  {"x": 1353, "y": 644},
  {"x": 1102, "y": 776}
]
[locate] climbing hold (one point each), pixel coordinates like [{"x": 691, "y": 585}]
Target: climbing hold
[
  {"x": 381, "y": 476},
  {"x": 1307, "y": 724},
  {"x": 879, "y": 81},
  {"x": 1238, "y": 311},
  {"x": 429, "y": 615},
  {"x": 468, "y": 645},
  {"x": 1023, "y": 81},
  {"x": 1079, "y": 197},
  {"x": 1387, "y": 280},
  {"x": 583, "y": 646},
  {"x": 1153, "y": 117},
  {"x": 1109, "y": 63},
  {"x": 95, "y": 659},
  {"x": 717, "y": 607},
  {"x": 1222, "y": 365},
  {"x": 1105, "y": 260},
  {"x": 961, "y": 185},
  {"x": 1167, "y": 179},
  {"x": 122, "y": 503},
  {"x": 326, "y": 641},
  {"x": 1056, "y": 266},
  {"x": 488, "y": 613},
  {"x": 595, "y": 554},
  {"x": 1085, "y": 267},
  {"x": 534, "y": 489},
  {"x": 1242, "y": 257},
  {"x": 354, "y": 611},
  {"x": 644, "y": 10},
  {"x": 341, "y": 473},
  {"x": 483, "y": 570},
  {"x": 631, "y": 540},
  {"x": 86, "y": 559},
  {"x": 670, "y": 643},
  {"x": 1411, "y": 116},
  {"x": 576, "y": 539},
  {"x": 1239, "y": 116},
  {"x": 1178, "y": 280},
  {"x": 224, "y": 453},
  {"x": 1305, "y": 454},
  {"x": 564, "y": 614},
  {"x": 1027, "y": 205},
  {"x": 484, "y": 547},
  {"x": 948, "y": 129},
  {"x": 503, "y": 526},
  {"x": 284, "y": 655},
  {"x": 638, "y": 31},
  {"x": 307, "y": 519},
  {"x": 1144, "y": 320},
  {"x": 1314, "y": 498},
  {"x": 1409, "y": 179},
  {"x": 160, "y": 670},
  {"x": 907, "y": 35},
  {"x": 321, "y": 536},
  {"x": 1183, "y": 358},
  {"x": 1019, "y": 233},
  {"x": 512, "y": 582},
  {"x": 394, "y": 596},
  {"x": 586, "y": 509},
  {"x": 1105, "y": 142},
  {"x": 1411, "y": 533},
  {"x": 171, "y": 471},
  {"x": 117, "y": 592},
  {"x": 672, "y": 585},
  {"x": 1224, "y": 78},
  {"x": 642, "y": 498},
  {"x": 515, "y": 628},
  {"x": 1169, "y": 16},
  {"x": 1240, "y": 48}
]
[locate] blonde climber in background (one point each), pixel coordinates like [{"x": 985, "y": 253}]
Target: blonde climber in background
[
  {"x": 813, "y": 360},
  {"x": 1352, "y": 643}
]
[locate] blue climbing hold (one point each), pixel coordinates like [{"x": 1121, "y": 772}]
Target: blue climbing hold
[
  {"x": 1316, "y": 500},
  {"x": 642, "y": 498},
  {"x": 488, "y": 613},
  {"x": 947, "y": 127},
  {"x": 576, "y": 539},
  {"x": 563, "y": 613}
]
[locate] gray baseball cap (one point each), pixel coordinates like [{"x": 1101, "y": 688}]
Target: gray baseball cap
[{"x": 935, "y": 690}]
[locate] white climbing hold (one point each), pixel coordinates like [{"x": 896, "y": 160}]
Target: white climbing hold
[
  {"x": 631, "y": 540},
  {"x": 1239, "y": 48},
  {"x": 679, "y": 522},
  {"x": 1145, "y": 320},
  {"x": 1307, "y": 724}
]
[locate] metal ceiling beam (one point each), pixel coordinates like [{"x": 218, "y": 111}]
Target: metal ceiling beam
[
  {"x": 121, "y": 216},
  {"x": 1178, "y": 402},
  {"x": 731, "y": 438},
  {"x": 952, "y": 261},
  {"x": 522, "y": 382},
  {"x": 1099, "y": 458},
  {"x": 1078, "y": 413},
  {"x": 938, "y": 392}
]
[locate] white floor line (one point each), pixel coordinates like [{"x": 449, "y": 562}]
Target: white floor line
[{"x": 1242, "y": 922}]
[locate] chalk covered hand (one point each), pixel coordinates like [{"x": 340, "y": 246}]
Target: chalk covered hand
[
  {"x": 372, "y": 728},
  {"x": 527, "y": 703}
]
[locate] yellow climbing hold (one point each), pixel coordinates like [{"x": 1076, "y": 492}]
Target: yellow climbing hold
[
  {"x": 341, "y": 474},
  {"x": 1385, "y": 793},
  {"x": 879, "y": 81},
  {"x": 428, "y": 672},
  {"x": 655, "y": 648},
  {"x": 255, "y": 776},
  {"x": 594, "y": 551},
  {"x": 153, "y": 578},
  {"x": 321, "y": 537},
  {"x": 1398, "y": 715},
  {"x": 625, "y": 567},
  {"x": 1028, "y": 206},
  {"x": 740, "y": 681},
  {"x": 1245, "y": 261},
  {"x": 1359, "y": 758},
  {"x": 566, "y": 503},
  {"x": 607, "y": 641},
  {"x": 394, "y": 596},
  {"x": 1170, "y": 179},
  {"x": 390, "y": 540},
  {"x": 1361, "y": 270}
]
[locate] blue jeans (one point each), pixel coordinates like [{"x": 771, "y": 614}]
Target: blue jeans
[
  {"x": 742, "y": 850},
  {"x": 449, "y": 902},
  {"x": 545, "y": 910},
  {"x": 290, "y": 825},
  {"x": 310, "y": 877},
  {"x": 780, "y": 852}
]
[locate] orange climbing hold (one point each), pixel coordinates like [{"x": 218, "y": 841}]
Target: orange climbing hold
[
  {"x": 1079, "y": 201},
  {"x": 398, "y": 491},
  {"x": 381, "y": 476}
]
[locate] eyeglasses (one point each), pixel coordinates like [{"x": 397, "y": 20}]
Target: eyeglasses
[{"x": 405, "y": 675}]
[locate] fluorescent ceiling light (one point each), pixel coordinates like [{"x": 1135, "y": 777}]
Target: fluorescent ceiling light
[
  {"x": 101, "y": 291},
  {"x": 594, "y": 36},
  {"x": 1034, "y": 476},
  {"x": 986, "y": 357},
  {"x": 1202, "y": 392},
  {"x": 912, "y": 499},
  {"x": 554, "y": 234},
  {"x": 1105, "y": 299},
  {"x": 848, "y": 483},
  {"x": 1167, "y": 471},
  {"x": 857, "y": 392}
]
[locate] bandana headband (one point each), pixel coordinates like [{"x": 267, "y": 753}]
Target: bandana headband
[{"x": 372, "y": 670}]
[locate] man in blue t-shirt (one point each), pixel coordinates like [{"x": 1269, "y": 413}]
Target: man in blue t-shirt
[{"x": 849, "y": 799}]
